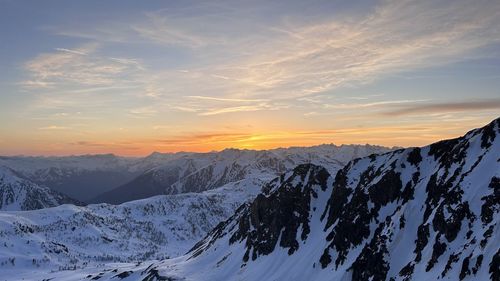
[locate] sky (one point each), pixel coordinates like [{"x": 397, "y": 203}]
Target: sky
[{"x": 133, "y": 77}]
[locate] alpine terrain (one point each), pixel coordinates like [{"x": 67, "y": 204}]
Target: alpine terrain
[
  {"x": 425, "y": 213},
  {"x": 164, "y": 226},
  {"x": 197, "y": 172},
  {"x": 19, "y": 194}
]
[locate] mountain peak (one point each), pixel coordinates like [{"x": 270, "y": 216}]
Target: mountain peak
[{"x": 411, "y": 214}]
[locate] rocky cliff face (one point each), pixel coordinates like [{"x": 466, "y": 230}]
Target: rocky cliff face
[{"x": 413, "y": 214}]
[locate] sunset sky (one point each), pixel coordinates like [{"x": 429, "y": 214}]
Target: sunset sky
[{"x": 133, "y": 77}]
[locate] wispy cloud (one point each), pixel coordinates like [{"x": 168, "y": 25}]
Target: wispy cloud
[
  {"x": 225, "y": 99},
  {"x": 243, "y": 108},
  {"x": 234, "y": 64},
  {"x": 306, "y": 60},
  {"x": 399, "y": 35},
  {"x": 297, "y": 60},
  {"x": 200, "y": 138},
  {"x": 78, "y": 67},
  {"x": 76, "y": 52},
  {"x": 53, "y": 127},
  {"x": 158, "y": 29},
  {"x": 143, "y": 112},
  {"x": 379, "y": 104},
  {"x": 446, "y": 107}
]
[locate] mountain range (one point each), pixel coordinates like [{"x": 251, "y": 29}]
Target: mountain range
[
  {"x": 113, "y": 179},
  {"x": 424, "y": 213},
  {"x": 197, "y": 172},
  {"x": 159, "y": 227},
  {"x": 421, "y": 213}
]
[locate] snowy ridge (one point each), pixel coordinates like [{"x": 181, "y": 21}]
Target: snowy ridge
[
  {"x": 413, "y": 214},
  {"x": 18, "y": 194},
  {"x": 198, "y": 172}
]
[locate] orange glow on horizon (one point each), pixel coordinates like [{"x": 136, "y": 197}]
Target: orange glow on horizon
[{"x": 403, "y": 136}]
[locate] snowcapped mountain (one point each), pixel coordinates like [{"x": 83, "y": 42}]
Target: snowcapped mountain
[
  {"x": 108, "y": 178},
  {"x": 69, "y": 237},
  {"x": 197, "y": 172},
  {"x": 18, "y": 194},
  {"x": 80, "y": 177},
  {"x": 413, "y": 214}
]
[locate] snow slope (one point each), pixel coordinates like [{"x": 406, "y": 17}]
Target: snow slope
[
  {"x": 413, "y": 214},
  {"x": 69, "y": 237},
  {"x": 18, "y": 194}
]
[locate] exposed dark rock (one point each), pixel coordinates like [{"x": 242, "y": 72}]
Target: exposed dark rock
[
  {"x": 339, "y": 196},
  {"x": 437, "y": 250},
  {"x": 370, "y": 264},
  {"x": 153, "y": 275},
  {"x": 453, "y": 258},
  {"x": 489, "y": 133},
  {"x": 491, "y": 203},
  {"x": 414, "y": 156},
  {"x": 450, "y": 226},
  {"x": 495, "y": 267},
  {"x": 407, "y": 271},
  {"x": 281, "y": 214},
  {"x": 402, "y": 221},
  {"x": 487, "y": 234},
  {"x": 422, "y": 240},
  {"x": 352, "y": 227},
  {"x": 465, "y": 268},
  {"x": 124, "y": 274},
  {"x": 479, "y": 262},
  {"x": 387, "y": 189}
]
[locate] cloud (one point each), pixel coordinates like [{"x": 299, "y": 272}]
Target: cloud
[
  {"x": 311, "y": 113},
  {"x": 105, "y": 146},
  {"x": 250, "y": 66},
  {"x": 371, "y": 104},
  {"x": 88, "y": 143},
  {"x": 80, "y": 67},
  {"x": 203, "y": 138},
  {"x": 143, "y": 112},
  {"x": 427, "y": 108},
  {"x": 76, "y": 52},
  {"x": 243, "y": 108},
  {"x": 158, "y": 29},
  {"x": 53, "y": 127},
  {"x": 225, "y": 99},
  {"x": 304, "y": 60},
  {"x": 398, "y": 36}
]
